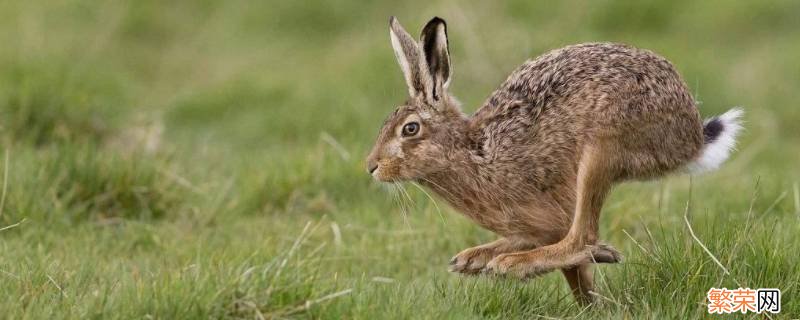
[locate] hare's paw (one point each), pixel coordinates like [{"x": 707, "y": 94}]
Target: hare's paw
[
  {"x": 516, "y": 265},
  {"x": 528, "y": 264},
  {"x": 472, "y": 260},
  {"x": 603, "y": 253}
]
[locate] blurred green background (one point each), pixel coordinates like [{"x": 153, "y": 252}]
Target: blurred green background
[{"x": 189, "y": 159}]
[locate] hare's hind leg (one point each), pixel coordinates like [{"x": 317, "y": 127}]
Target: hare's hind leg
[
  {"x": 581, "y": 282},
  {"x": 473, "y": 260},
  {"x": 595, "y": 177}
]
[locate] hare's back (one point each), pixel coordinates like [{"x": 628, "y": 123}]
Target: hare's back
[
  {"x": 548, "y": 106},
  {"x": 586, "y": 73}
]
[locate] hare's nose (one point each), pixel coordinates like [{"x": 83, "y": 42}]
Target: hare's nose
[
  {"x": 372, "y": 163},
  {"x": 371, "y": 167}
]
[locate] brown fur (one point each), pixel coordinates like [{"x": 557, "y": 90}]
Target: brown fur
[{"x": 536, "y": 161}]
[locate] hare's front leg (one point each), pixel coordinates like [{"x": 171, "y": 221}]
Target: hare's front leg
[
  {"x": 595, "y": 176},
  {"x": 473, "y": 260}
]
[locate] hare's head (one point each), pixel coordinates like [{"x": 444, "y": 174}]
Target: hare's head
[{"x": 416, "y": 139}]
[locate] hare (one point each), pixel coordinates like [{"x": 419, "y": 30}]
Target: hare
[{"x": 534, "y": 163}]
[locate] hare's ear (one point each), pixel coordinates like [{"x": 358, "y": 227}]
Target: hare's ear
[
  {"x": 437, "y": 54},
  {"x": 411, "y": 60}
]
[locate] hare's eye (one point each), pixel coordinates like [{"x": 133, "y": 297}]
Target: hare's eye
[{"x": 410, "y": 129}]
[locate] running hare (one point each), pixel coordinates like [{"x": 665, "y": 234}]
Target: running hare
[{"x": 535, "y": 163}]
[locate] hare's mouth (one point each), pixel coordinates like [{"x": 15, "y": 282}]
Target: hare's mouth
[
  {"x": 384, "y": 173},
  {"x": 375, "y": 172},
  {"x": 378, "y": 175}
]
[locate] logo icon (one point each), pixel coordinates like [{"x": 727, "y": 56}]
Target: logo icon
[
  {"x": 769, "y": 300},
  {"x": 744, "y": 300}
]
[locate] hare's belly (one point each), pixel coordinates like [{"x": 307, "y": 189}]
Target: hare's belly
[{"x": 538, "y": 223}]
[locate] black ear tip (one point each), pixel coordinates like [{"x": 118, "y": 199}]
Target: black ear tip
[{"x": 436, "y": 19}]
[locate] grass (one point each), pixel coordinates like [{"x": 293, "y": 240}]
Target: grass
[{"x": 205, "y": 160}]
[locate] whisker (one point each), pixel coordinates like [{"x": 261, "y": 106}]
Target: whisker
[
  {"x": 405, "y": 192},
  {"x": 411, "y": 201},
  {"x": 438, "y": 210},
  {"x": 393, "y": 191},
  {"x": 401, "y": 203},
  {"x": 450, "y": 194}
]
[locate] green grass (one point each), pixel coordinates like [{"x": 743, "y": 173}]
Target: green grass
[{"x": 205, "y": 160}]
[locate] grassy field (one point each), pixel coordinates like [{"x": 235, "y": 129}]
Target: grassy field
[{"x": 204, "y": 159}]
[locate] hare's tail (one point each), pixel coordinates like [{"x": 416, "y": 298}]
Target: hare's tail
[{"x": 719, "y": 134}]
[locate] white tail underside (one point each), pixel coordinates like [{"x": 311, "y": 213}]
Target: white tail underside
[{"x": 716, "y": 152}]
